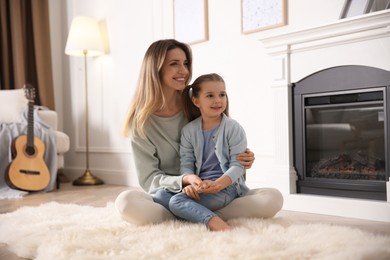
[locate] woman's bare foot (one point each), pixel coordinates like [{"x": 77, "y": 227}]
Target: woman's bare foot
[{"x": 217, "y": 224}]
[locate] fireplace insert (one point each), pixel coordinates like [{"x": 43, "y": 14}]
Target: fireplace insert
[{"x": 341, "y": 125}]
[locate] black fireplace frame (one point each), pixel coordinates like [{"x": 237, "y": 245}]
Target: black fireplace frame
[{"x": 340, "y": 78}]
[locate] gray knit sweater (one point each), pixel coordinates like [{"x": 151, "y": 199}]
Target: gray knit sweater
[{"x": 157, "y": 159}]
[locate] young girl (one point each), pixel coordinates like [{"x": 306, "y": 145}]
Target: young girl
[{"x": 209, "y": 146}]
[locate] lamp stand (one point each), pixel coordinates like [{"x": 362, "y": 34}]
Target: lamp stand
[{"x": 87, "y": 178}]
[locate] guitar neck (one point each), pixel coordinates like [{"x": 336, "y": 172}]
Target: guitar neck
[{"x": 30, "y": 126}]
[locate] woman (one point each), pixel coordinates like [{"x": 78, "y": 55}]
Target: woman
[{"x": 154, "y": 121}]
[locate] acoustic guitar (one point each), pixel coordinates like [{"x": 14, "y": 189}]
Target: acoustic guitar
[{"x": 28, "y": 170}]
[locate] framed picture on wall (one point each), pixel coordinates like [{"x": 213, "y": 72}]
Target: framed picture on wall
[
  {"x": 190, "y": 21},
  {"x": 355, "y": 7},
  {"x": 258, "y": 15}
]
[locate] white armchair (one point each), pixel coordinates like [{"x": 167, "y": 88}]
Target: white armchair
[{"x": 12, "y": 105}]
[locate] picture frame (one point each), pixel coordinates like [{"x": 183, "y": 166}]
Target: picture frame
[
  {"x": 190, "y": 21},
  {"x": 355, "y": 7},
  {"x": 258, "y": 15}
]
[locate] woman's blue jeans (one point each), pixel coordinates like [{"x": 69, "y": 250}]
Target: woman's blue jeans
[{"x": 198, "y": 211}]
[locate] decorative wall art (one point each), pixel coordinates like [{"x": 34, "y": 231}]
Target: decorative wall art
[
  {"x": 190, "y": 21},
  {"x": 258, "y": 15}
]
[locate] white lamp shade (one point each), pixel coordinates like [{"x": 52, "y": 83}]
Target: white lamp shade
[{"x": 84, "y": 37}]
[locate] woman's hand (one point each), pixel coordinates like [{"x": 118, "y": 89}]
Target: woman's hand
[
  {"x": 191, "y": 191},
  {"x": 246, "y": 159},
  {"x": 191, "y": 179},
  {"x": 191, "y": 183}
]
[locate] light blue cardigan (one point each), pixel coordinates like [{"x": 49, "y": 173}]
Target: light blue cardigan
[{"x": 230, "y": 140}]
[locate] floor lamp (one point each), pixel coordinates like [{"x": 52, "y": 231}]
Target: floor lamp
[{"x": 84, "y": 39}]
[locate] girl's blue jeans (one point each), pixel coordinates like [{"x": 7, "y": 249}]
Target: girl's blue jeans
[{"x": 197, "y": 211}]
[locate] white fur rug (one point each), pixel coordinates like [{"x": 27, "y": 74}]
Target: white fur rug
[{"x": 68, "y": 231}]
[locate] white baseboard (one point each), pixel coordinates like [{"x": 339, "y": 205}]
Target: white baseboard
[
  {"x": 343, "y": 207},
  {"x": 114, "y": 177}
]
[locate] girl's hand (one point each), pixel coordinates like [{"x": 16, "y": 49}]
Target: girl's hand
[
  {"x": 204, "y": 185},
  {"x": 246, "y": 159},
  {"x": 208, "y": 186},
  {"x": 191, "y": 191}
]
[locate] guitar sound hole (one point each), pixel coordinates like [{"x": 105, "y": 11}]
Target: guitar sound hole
[{"x": 30, "y": 150}]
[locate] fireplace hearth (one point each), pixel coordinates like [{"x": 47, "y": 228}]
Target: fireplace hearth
[{"x": 341, "y": 123}]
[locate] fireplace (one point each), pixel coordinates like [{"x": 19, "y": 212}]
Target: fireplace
[
  {"x": 304, "y": 56},
  {"x": 340, "y": 132}
]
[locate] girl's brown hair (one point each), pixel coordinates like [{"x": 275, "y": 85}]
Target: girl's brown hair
[{"x": 190, "y": 110}]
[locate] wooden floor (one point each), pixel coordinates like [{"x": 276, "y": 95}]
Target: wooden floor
[{"x": 99, "y": 195}]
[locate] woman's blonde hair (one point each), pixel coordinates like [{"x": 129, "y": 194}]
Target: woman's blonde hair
[
  {"x": 190, "y": 110},
  {"x": 148, "y": 97}
]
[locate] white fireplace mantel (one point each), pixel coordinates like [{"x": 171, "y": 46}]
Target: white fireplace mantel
[
  {"x": 360, "y": 28},
  {"x": 361, "y": 40}
]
